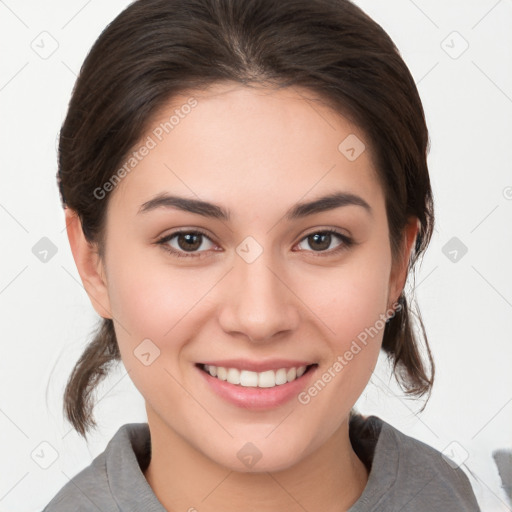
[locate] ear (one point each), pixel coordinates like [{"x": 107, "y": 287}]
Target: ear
[
  {"x": 398, "y": 275},
  {"x": 89, "y": 265}
]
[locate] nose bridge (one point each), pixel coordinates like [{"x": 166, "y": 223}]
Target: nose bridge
[{"x": 260, "y": 304}]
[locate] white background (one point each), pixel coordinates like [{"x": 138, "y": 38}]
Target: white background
[{"x": 466, "y": 305}]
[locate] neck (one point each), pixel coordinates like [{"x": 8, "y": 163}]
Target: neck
[{"x": 182, "y": 478}]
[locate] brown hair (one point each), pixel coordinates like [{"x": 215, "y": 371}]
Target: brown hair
[{"x": 156, "y": 49}]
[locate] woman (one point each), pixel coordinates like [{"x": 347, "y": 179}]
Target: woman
[{"x": 246, "y": 190}]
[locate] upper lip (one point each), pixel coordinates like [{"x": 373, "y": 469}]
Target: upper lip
[{"x": 258, "y": 366}]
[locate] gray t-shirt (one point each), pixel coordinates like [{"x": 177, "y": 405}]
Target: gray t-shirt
[{"x": 404, "y": 475}]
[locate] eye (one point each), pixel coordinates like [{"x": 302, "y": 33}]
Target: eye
[
  {"x": 186, "y": 241},
  {"x": 321, "y": 240},
  {"x": 191, "y": 241}
]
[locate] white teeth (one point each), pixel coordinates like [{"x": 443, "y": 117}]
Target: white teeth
[
  {"x": 267, "y": 379},
  {"x": 291, "y": 374},
  {"x": 281, "y": 377},
  {"x": 246, "y": 378},
  {"x": 222, "y": 373},
  {"x": 233, "y": 376}
]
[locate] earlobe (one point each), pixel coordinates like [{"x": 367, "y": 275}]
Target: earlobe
[
  {"x": 400, "y": 268},
  {"x": 89, "y": 265}
]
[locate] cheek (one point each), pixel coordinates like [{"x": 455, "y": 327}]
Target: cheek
[
  {"x": 160, "y": 302},
  {"x": 352, "y": 297},
  {"x": 153, "y": 309},
  {"x": 148, "y": 299},
  {"x": 352, "y": 308},
  {"x": 146, "y": 294}
]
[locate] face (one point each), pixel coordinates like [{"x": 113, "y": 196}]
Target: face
[{"x": 256, "y": 286}]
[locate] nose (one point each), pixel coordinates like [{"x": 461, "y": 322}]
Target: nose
[{"x": 259, "y": 303}]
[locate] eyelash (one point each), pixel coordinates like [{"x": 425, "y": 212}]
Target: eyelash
[{"x": 347, "y": 243}]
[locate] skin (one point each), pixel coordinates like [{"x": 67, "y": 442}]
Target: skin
[{"x": 256, "y": 152}]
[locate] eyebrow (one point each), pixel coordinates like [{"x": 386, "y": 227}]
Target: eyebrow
[{"x": 212, "y": 210}]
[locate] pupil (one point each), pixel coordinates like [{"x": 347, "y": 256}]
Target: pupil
[
  {"x": 326, "y": 238},
  {"x": 188, "y": 238}
]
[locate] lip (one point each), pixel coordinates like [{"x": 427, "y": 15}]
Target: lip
[
  {"x": 254, "y": 397},
  {"x": 258, "y": 366}
]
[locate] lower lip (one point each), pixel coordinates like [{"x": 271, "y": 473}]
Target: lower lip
[{"x": 258, "y": 398}]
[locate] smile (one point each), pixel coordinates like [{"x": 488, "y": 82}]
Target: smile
[{"x": 246, "y": 378}]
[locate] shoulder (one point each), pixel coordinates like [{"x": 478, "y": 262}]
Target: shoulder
[
  {"x": 87, "y": 490},
  {"x": 91, "y": 488},
  {"x": 425, "y": 477},
  {"x": 407, "y": 474}
]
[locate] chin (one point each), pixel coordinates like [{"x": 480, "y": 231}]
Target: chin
[{"x": 257, "y": 457}]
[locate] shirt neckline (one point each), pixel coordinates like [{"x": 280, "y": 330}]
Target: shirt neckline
[
  {"x": 384, "y": 470},
  {"x": 125, "y": 467}
]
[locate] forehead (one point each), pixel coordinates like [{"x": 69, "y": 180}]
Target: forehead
[{"x": 238, "y": 144}]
